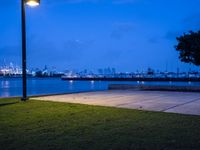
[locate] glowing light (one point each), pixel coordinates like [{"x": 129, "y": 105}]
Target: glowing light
[{"x": 33, "y": 3}]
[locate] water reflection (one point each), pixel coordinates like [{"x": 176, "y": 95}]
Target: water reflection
[
  {"x": 6, "y": 93},
  {"x": 35, "y": 86},
  {"x": 92, "y": 84},
  {"x": 5, "y": 84},
  {"x": 71, "y": 84}
]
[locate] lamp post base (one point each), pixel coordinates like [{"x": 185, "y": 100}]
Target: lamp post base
[{"x": 24, "y": 99}]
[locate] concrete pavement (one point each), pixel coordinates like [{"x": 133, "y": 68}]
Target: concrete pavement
[{"x": 164, "y": 101}]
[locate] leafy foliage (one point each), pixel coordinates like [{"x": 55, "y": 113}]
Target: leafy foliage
[{"x": 189, "y": 47}]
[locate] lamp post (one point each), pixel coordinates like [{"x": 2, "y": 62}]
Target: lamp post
[{"x": 31, "y": 3}]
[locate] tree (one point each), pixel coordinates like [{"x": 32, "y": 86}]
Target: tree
[{"x": 189, "y": 47}]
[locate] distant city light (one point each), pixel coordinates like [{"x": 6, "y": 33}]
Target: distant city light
[
  {"x": 14, "y": 70},
  {"x": 33, "y": 3}
]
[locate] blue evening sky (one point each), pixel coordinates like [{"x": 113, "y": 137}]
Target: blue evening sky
[{"x": 128, "y": 35}]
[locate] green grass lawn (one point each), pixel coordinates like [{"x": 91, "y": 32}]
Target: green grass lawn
[{"x": 49, "y": 125}]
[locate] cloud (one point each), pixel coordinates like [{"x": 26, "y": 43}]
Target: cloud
[
  {"x": 10, "y": 53},
  {"x": 187, "y": 24},
  {"x": 77, "y": 44},
  {"x": 124, "y": 1},
  {"x": 171, "y": 35},
  {"x": 192, "y": 22},
  {"x": 10, "y": 50},
  {"x": 95, "y": 1},
  {"x": 153, "y": 40},
  {"x": 79, "y": 1},
  {"x": 120, "y": 29}
]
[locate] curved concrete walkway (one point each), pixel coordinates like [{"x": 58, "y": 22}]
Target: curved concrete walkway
[{"x": 175, "y": 102}]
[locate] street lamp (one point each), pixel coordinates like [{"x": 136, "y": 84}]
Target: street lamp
[
  {"x": 32, "y": 3},
  {"x": 23, "y": 13}
]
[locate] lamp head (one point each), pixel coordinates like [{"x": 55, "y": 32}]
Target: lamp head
[{"x": 32, "y": 3}]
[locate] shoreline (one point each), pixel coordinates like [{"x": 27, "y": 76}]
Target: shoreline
[
  {"x": 149, "y": 79},
  {"x": 133, "y": 79}
]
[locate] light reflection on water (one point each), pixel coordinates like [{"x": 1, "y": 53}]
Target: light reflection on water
[
  {"x": 71, "y": 84},
  {"x": 5, "y": 84},
  {"x": 13, "y": 86}
]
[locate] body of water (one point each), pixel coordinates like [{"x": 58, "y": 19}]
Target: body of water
[{"x": 37, "y": 86}]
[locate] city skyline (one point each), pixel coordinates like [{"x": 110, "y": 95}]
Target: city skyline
[
  {"x": 124, "y": 34},
  {"x": 12, "y": 68}
]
